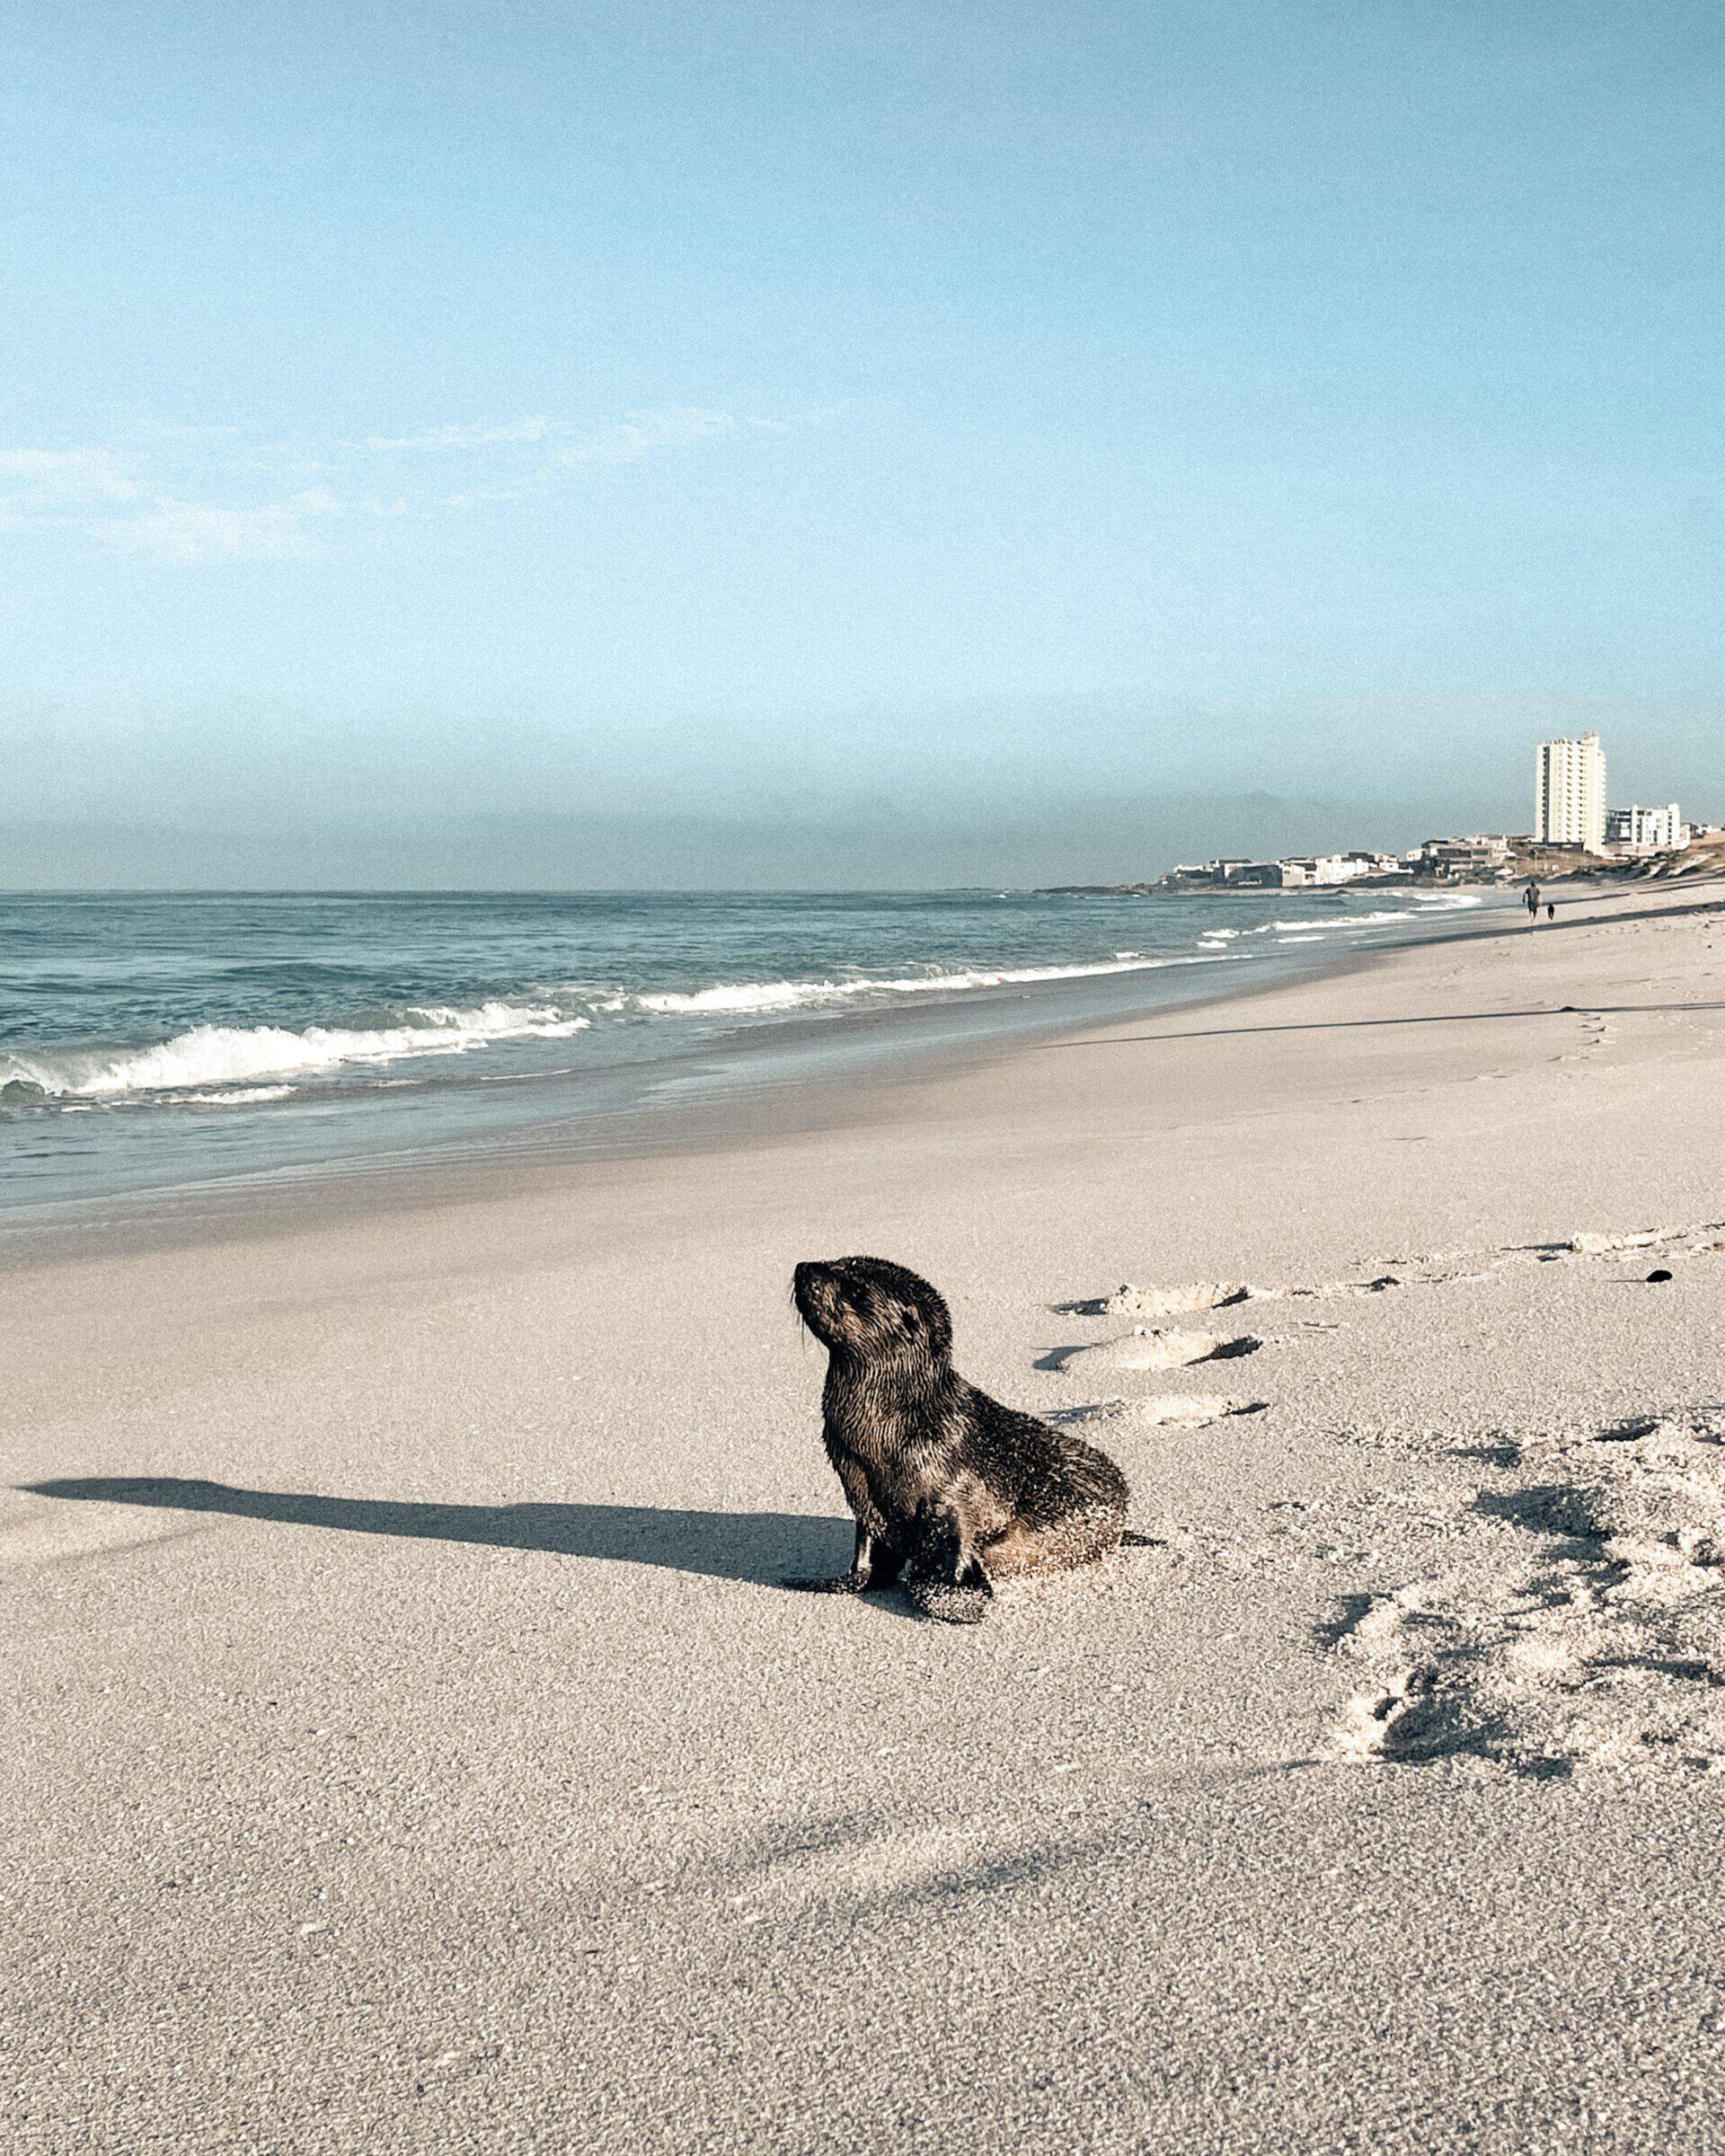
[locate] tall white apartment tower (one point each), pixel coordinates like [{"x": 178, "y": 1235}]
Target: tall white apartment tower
[{"x": 1570, "y": 794}]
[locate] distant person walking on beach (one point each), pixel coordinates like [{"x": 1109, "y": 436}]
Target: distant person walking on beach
[
  {"x": 1551, "y": 912},
  {"x": 1530, "y": 899}
]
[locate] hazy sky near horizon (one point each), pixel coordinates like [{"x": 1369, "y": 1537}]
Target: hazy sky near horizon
[{"x": 841, "y": 444}]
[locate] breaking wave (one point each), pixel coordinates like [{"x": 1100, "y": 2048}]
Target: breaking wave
[
  {"x": 789, "y": 995},
  {"x": 1333, "y": 925},
  {"x": 229, "y": 1056},
  {"x": 245, "y": 1057},
  {"x": 240, "y": 1096}
]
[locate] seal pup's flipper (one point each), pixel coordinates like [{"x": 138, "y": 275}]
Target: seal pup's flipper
[
  {"x": 946, "y": 1584},
  {"x": 876, "y": 1565}
]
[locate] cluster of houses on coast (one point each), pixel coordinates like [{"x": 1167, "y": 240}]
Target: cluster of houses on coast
[
  {"x": 1433, "y": 862},
  {"x": 1574, "y": 834}
]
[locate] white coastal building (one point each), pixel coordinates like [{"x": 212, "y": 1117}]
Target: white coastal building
[
  {"x": 1646, "y": 830},
  {"x": 1346, "y": 868},
  {"x": 1480, "y": 855},
  {"x": 1570, "y": 794}
]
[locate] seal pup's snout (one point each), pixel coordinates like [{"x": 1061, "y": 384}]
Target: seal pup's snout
[{"x": 815, "y": 1292}]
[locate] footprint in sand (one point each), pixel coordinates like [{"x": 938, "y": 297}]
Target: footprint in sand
[
  {"x": 1146, "y": 1348},
  {"x": 1169, "y": 1410},
  {"x": 1437, "y": 1267},
  {"x": 1140, "y": 1301},
  {"x": 1130, "y": 1302},
  {"x": 1379, "y": 1285},
  {"x": 1596, "y": 1636},
  {"x": 40, "y": 1532},
  {"x": 1600, "y": 1246},
  {"x": 1394, "y": 1723}
]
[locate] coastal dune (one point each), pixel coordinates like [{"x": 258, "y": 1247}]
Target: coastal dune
[{"x": 414, "y": 1747}]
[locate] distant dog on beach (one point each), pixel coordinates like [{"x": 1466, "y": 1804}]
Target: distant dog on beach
[{"x": 951, "y": 1491}]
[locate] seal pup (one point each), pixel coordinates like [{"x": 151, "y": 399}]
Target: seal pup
[{"x": 951, "y": 1491}]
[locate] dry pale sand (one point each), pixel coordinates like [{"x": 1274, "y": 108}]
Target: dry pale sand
[{"x": 412, "y": 1750}]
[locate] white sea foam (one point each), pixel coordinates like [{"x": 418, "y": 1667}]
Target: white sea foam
[
  {"x": 217, "y": 1064},
  {"x": 230, "y": 1067},
  {"x": 1334, "y": 924},
  {"x": 733, "y": 996},
  {"x": 239, "y": 1096},
  {"x": 227, "y": 1056}
]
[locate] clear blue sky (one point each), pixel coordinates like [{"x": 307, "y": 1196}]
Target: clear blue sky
[{"x": 835, "y": 443}]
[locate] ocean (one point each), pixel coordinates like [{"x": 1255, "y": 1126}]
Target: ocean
[{"x": 152, "y": 1040}]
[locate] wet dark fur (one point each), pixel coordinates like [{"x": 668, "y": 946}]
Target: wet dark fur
[{"x": 951, "y": 1491}]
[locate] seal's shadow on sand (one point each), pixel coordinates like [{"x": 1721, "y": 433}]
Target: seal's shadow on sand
[{"x": 767, "y": 1548}]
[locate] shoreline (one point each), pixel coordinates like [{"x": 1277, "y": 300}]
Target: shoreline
[
  {"x": 166, "y": 1123},
  {"x": 791, "y": 1077}
]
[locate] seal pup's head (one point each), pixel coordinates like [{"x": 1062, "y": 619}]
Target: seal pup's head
[{"x": 872, "y": 1310}]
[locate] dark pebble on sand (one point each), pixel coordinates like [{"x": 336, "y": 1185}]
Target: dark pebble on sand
[{"x": 1658, "y": 1273}]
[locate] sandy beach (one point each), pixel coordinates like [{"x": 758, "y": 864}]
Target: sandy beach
[{"x": 413, "y": 1749}]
